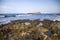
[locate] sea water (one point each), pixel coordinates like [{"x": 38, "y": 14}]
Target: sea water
[{"x": 5, "y": 18}]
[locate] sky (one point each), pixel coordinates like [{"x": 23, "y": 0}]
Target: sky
[{"x": 29, "y": 6}]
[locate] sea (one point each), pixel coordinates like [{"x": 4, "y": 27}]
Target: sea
[{"x": 6, "y": 18}]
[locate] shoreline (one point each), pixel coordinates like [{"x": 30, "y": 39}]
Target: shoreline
[
  {"x": 26, "y": 20},
  {"x": 23, "y": 31}
]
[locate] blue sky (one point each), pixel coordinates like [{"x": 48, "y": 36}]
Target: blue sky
[{"x": 28, "y": 6}]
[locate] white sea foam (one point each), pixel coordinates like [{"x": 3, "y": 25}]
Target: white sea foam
[
  {"x": 23, "y": 15},
  {"x": 1, "y": 16},
  {"x": 29, "y": 16}
]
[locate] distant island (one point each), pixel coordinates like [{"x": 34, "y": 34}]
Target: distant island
[{"x": 35, "y": 13}]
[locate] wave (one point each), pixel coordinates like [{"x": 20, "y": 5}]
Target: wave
[
  {"x": 23, "y": 15},
  {"x": 2, "y": 16}
]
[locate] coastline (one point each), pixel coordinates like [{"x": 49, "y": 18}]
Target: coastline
[{"x": 16, "y": 26}]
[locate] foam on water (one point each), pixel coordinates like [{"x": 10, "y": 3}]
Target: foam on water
[{"x": 9, "y": 18}]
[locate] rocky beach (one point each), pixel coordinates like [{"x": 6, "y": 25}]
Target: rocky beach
[{"x": 35, "y": 30}]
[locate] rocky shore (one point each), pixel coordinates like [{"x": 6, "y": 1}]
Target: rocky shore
[{"x": 30, "y": 30}]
